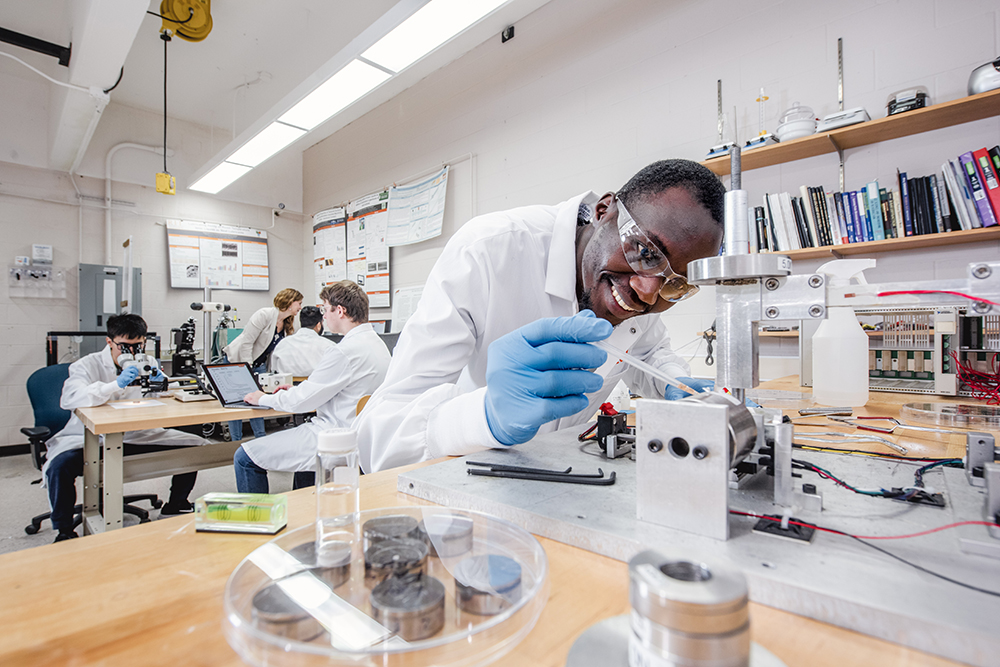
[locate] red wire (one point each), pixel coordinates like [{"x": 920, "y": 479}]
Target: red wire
[
  {"x": 867, "y": 537},
  {"x": 938, "y": 291},
  {"x": 984, "y": 386}
]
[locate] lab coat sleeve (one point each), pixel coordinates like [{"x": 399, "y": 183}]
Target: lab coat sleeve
[
  {"x": 330, "y": 377},
  {"x": 420, "y": 412},
  {"x": 242, "y": 348},
  {"x": 84, "y": 388},
  {"x": 653, "y": 347}
]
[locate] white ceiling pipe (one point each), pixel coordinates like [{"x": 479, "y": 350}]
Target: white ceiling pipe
[{"x": 107, "y": 188}]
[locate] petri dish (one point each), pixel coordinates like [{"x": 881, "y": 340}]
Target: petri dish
[
  {"x": 961, "y": 415},
  {"x": 413, "y": 616}
]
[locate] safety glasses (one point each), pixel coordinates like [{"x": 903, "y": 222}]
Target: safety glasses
[{"x": 646, "y": 259}]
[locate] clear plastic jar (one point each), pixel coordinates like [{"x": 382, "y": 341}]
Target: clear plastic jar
[{"x": 337, "y": 496}]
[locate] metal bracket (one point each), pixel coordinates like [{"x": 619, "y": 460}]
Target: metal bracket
[{"x": 978, "y": 452}]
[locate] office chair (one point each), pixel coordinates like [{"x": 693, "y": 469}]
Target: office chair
[{"x": 44, "y": 390}]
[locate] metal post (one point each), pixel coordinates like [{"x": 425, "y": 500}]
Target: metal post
[{"x": 206, "y": 318}]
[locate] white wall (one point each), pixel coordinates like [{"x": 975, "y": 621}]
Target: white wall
[
  {"x": 588, "y": 92},
  {"x": 139, "y": 213}
]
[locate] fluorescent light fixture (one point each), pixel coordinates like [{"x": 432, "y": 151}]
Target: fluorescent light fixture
[
  {"x": 338, "y": 92},
  {"x": 220, "y": 177},
  {"x": 428, "y": 28},
  {"x": 268, "y": 141}
]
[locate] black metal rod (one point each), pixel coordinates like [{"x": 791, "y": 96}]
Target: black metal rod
[
  {"x": 501, "y": 466},
  {"x": 37, "y": 45},
  {"x": 565, "y": 479}
]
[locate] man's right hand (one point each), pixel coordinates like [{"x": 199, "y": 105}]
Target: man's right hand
[
  {"x": 537, "y": 373},
  {"x": 127, "y": 377}
]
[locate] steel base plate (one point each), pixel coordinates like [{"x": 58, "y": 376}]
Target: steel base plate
[{"x": 605, "y": 644}]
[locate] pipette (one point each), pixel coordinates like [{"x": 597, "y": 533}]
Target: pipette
[{"x": 642, "y": 366}]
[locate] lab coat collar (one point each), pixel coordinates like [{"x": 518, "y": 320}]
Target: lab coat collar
[
  {"x": 560, "y": 273},
  {"x": 358, "y": 330},
  {"x": 305, "y": 331}
]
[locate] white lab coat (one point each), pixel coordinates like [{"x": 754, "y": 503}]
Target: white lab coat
[
  {"x": 254, "y": 338},
  {"x": 92, "y": 381},
  {"x": 499, "y": 272},
  {"x": 299, "y": 354},
  {"x": 349, "y": 370}
]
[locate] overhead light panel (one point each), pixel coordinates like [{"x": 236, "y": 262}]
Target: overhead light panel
[
  {"x": 268, "y": 141},
  {"x": 341, "y": 90},
  {"x": 428, "y": 28},
  {"x": 220, "y": 177}
]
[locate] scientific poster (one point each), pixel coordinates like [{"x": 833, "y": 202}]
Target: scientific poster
[
  {"x": 404, "y": 303},
  {"x": 416, "y": 210},
  {"x": 204, "y": 254},
  {"x": 367, "y": 252},
  {"x": 329, "y": 247}
]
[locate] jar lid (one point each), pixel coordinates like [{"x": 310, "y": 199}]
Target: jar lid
[
  {"x": 796, "y": 112},
  {"x": 335, "y": 440}
]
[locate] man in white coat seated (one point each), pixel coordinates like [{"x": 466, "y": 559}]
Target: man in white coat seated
[
  {"x": 97, "y": 379},
  {"x": 349, "y": 370},
  {"x": 497, "y": 351},
  {"x": 299, "y": 354}
]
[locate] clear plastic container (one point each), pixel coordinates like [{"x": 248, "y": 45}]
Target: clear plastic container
[
  {"x": 953, "y": 414},
  {"x": 798, "y": 121},
  {"x": 337, "y": 496},
  {"x": 241, "y": 513},
  {"x": 462, "y": 588}
]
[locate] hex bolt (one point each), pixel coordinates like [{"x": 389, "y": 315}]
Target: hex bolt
[
  {"x": 815, "y": 280},
  {"x": 981, "y": 307},
  {"x": 655, "y": 446},
  {"x": 771, "y": 284},
  {"x": 771, "y": 312},
  {"x": 982, "y": 271},
  {"x": 700, "y": 452},
  {"x": 816, "y": 310}
]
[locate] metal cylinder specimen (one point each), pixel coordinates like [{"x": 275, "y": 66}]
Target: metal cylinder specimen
[
  {"x": 411, "y": 606},
  {"x": 446, "y": 535},
  {"x": 394, "y": 558},
  {"x": 487, "y": 585},
  {"x": 687, "y": 613},
  {"x": 388, "y": 527},
  {"x": 275, "y": 613},
  {"x": 336, "y": 561},
  {"x": 742, "y": 430}
]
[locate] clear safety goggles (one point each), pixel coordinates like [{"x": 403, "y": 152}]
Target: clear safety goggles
[{"x": 646, "y": 259}]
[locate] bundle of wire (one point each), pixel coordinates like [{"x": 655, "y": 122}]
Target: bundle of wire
[
  {"x": 984, "y": 386},
  {"x": 904, "y": 493}
]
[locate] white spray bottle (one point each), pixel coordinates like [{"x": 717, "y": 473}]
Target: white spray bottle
[{"x": 840, "y": 345}]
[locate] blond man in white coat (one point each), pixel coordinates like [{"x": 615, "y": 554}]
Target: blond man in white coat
[
  {"x": 353, "y": 368},
  {"x": 300, "y": 353}
]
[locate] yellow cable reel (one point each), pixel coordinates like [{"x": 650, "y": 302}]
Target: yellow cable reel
[{"x": 198, "y": 11}]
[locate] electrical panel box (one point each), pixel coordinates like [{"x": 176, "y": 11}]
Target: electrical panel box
[{"x": 101, "y": 297}]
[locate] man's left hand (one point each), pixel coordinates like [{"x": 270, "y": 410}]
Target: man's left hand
[{"x": 253, "y": 398}]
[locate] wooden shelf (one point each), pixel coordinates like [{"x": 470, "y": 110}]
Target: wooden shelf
[
  {"x": 946, "y": 114},
  {"x": 889, "y": 245}
]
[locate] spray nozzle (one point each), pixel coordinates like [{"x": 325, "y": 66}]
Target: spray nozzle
[{"x": 841, "y": 271}]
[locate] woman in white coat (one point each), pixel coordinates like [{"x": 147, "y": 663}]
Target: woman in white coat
[{"x": 254, "y": 345}]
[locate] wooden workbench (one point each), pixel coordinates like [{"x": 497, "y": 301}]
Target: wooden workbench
[{"x": 153, "y": 595}]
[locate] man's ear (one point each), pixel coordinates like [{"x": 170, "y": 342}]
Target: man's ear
[{"x": 602, "y": 205}]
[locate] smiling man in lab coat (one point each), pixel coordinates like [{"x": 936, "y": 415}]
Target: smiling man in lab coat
[
  {"x": 348, "y": 370},
  {"x": 493, "y": 353},
  {"x": 300, "y": 353}
]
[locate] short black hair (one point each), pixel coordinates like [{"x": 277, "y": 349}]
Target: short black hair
[
  {"x": 127, "y": 325},
  {"x": 698, "y": 180},
  {"x": 310, "y": 316}
]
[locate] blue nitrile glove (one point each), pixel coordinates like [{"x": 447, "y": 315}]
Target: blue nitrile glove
[
  {"x": 127, "y": 377},
  {"x": 158, "y": 376},
  {"x": 535, "y": 374},
  {"x": 673, "y": 393}
]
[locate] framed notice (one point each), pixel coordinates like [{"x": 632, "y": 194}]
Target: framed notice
[{"x": 204, "y": 254}]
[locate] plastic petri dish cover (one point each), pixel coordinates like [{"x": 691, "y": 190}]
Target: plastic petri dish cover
[
  {"x": 953, "y": 414},
  {"x": 385, "y": 615}
]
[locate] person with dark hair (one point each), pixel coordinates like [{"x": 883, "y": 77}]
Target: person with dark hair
[
  {"x": 97, "y": 379},
  {"x": 300, "y": 353},
  {"x": 497, "y": 351},
  {"x": 347, "y": 372},
  {"x": 262, "y": 333}
]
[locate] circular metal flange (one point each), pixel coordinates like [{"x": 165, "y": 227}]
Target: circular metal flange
[
  {"x": 411, "y": 606},
  {"x": 710, "y": 270},
  {"x": 605, "y": 644}
]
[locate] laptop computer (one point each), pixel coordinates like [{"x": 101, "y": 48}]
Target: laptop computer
[{"x": 231, "y": 383}]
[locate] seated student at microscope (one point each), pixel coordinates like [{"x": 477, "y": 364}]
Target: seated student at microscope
[
  {"x": 97, "y": 379},
  {"x": 299, "y": 354},
  {"x": 349, "y": 370}
]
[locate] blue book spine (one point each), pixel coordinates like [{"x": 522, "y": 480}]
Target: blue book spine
[
  {"x": 852, "y": 200},
  {"x": 838, "y": 202},
  {"x": 904, "y": 189},
  {"x": 875, "y": 212},
  {"x": 978, "y": 190},
  {"x": 865, "y": 218}
]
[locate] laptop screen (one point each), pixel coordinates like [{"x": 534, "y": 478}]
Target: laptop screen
[{"x": 231, "y": 381}]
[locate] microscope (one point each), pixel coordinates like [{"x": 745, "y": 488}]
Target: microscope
[
  {"x": 183, "y": 360},
  {"x": 134, "y": 354}
]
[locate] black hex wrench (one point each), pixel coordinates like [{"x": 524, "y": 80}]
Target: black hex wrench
[
  {"x": 593, "y": 480},
  {"x": 507, "y": 468}
]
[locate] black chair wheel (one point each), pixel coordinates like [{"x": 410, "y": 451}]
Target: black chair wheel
[
  {"x": 31, "y": 530},
  {"x": 157, "y": 504}
]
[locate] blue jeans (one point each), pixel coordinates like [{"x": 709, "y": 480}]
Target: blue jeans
[
  {"x": 257, "y": 423},
  {"x": 251, "y": 478}
]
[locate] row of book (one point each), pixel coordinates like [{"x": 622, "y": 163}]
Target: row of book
[{"x": 965, "y": 195}]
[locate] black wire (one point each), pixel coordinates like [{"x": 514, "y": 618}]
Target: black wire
[
  {"x": 822, "y": 449},
  {"x": 120, "y": 74},
  {"x": 166, "y": 38},
  {"x": 191, "y": 16},
  {"x": 899, "y": 558}
]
